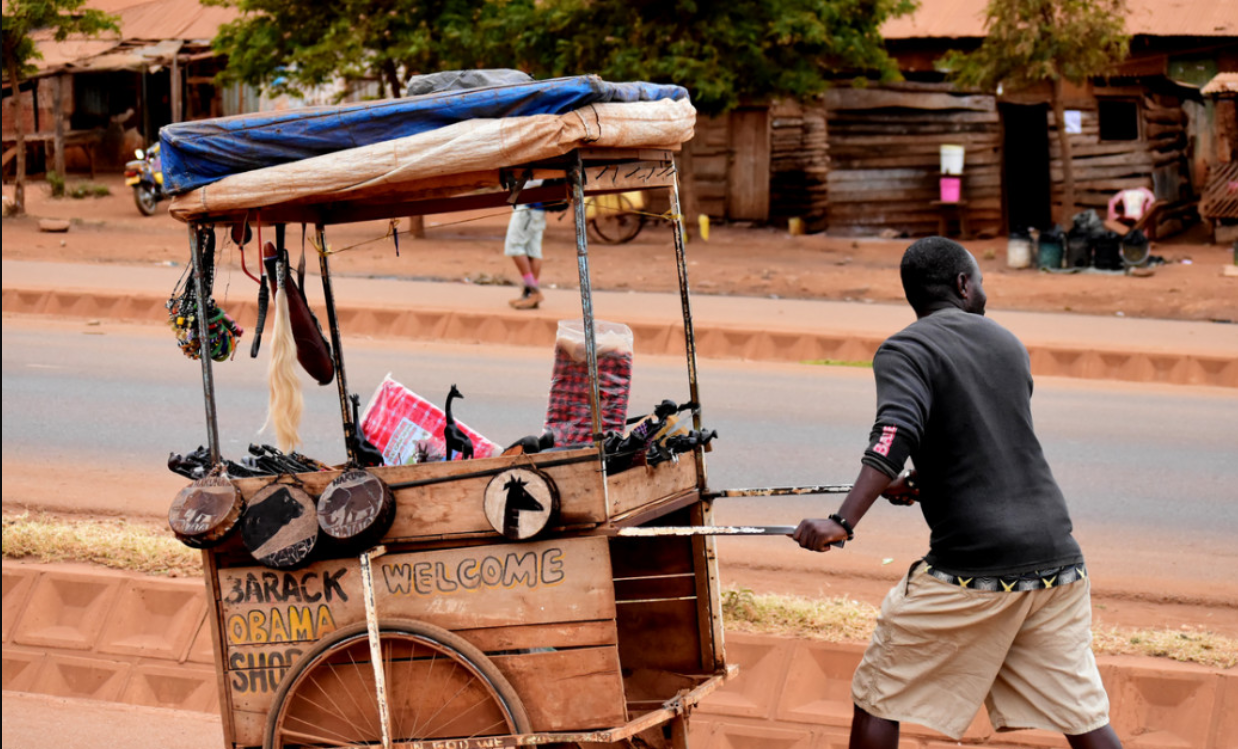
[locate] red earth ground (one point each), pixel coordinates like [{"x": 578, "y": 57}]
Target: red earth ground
[{"x": 746, "y": 261}]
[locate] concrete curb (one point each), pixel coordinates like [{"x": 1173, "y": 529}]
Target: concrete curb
[
  {"x": 121, "y": 637},
  {"x": 727, "y": 340}
]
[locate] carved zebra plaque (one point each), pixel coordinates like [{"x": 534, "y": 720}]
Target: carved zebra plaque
[
  {"x": 520, "y": 503},
  {"x": 280, "y": 526},
  {"x": 205, "y": 511},
  {"x": 356, "y": 508}
]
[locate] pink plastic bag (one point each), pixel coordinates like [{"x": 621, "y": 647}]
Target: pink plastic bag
[{"x": 397, "y": 419}]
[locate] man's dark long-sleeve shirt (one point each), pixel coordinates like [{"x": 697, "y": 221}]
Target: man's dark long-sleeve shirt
[{"x": 954, "y": 392}]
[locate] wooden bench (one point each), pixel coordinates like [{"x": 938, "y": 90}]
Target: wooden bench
[{"x": 947, "y": 212}]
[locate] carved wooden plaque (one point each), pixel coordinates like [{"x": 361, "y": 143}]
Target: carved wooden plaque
[
  {"x": 356, "y": 508},
  {"x": 205, "y": 511},
  {"x": 280, "y": 526},
  {"x": 520, "y": 503}
]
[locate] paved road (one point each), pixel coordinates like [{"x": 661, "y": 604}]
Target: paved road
[{"x": 1149, "y": 470}]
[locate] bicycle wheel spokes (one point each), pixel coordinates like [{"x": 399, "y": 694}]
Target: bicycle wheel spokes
[{"x": 435, "y": 690}]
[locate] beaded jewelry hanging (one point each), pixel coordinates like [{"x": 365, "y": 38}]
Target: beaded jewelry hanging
[{"x": 183, "y": 310}]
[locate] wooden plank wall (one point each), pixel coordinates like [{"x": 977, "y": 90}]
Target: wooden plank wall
[
  {"x": 799, "y": 163},
  {"x": 731, "y": 164},
  {"x": 884, "y": 148},
  {"x": 1155, "y": 161},
  {"x": 711, "y": 154}
]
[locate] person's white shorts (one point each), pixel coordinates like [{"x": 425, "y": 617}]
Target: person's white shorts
[
  {"x": 524, "y": 232},
  {"x": 941, "y": 650}
]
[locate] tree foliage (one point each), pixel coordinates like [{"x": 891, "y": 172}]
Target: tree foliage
[
  {"x": 1029, "y": 41},
  {"x": 288, "y": 46},
  {"x": 722, "y": 52},
  {"x": 64, "y": 17}
]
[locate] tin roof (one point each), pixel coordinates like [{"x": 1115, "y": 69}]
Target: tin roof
[
  {"x": 1223, "y": 83},
  {"x": 166, "y": 19},
  {"x": 954, "y": 19},
  {"x": 151, "y": 31}
]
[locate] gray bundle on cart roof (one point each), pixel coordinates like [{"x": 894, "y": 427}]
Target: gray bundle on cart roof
[{"x": 196, "y": 154}]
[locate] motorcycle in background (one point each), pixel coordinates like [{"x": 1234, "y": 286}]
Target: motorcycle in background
[{"x": 145, "y": 176}]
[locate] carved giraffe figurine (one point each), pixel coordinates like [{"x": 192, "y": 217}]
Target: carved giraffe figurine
[
  {"x": 518, "y": 499},
  {"x": 454, "y": 439}
]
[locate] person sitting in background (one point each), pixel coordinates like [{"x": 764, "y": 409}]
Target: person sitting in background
[{"x": 1128, "y": 206}]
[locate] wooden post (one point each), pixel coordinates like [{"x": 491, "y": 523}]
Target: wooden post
[
  {"x": 19, "y": 130},
  {"x": 58, "y": 118},
  {"x": 687, "y": 190},
  {"x": 417, "y": 227},
  {"x": 175, "y": 82},
  {"x": 1068, "y": 173}
]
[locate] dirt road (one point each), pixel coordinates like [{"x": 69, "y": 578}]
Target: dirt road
[{"x": 735, "y": 261}]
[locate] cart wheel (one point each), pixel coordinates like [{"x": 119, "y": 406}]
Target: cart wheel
[
  {"x": 619, "y": 225},
  {"x": 438, "y": 687}
]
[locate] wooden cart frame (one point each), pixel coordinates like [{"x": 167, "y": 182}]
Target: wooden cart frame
[{"x": 602, "y": 639}]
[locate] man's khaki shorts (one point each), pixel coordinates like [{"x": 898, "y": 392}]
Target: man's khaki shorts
[{"x": 940, "y": 650}]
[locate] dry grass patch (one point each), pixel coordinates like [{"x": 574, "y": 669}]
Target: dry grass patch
[
  {"x": 112, "y": 543},
  {"x": 841, "y": 619}
]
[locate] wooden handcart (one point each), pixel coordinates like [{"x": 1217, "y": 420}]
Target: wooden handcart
[{"x": 447, "y": 634}]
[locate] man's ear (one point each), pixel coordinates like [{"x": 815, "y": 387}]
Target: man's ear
[{"x": 962, "y": 285}]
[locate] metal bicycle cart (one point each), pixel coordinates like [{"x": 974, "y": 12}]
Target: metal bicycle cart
[{"x": 445, "y": 633}]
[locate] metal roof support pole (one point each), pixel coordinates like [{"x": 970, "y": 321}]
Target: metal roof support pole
[
  {"x": 694, "y": 392},
  {"x": 197, "y": 236},
  {"x": 337, "y": 353},
  {"x": 576, "y": 180}
]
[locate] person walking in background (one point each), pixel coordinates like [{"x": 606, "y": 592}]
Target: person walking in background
[
  {"x": 999, "y": 611},
  {"x": 524, "y": 246}
]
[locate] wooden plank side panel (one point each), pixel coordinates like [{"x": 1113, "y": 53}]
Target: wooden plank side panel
[
  {"x": 562, "y": 580},
  {"x": 642, "y": 486},
  {"x": 256, "y": 671},
  {"x": 570, "y": 689},
  {"x": 454, "y": 506},
  {"x": 660, "y": 635}
]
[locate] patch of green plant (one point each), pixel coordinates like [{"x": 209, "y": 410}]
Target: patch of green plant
[
  {"x": 79, "y": 190},
  {"x": 55, "y": 183}
]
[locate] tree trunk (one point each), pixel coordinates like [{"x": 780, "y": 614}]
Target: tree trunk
[
  {"x": 19, "y": 128},
  {"x": 393, "y": 78},
  {"x": 1068, "y": 169},
  {"x": 58, "y": 119}
]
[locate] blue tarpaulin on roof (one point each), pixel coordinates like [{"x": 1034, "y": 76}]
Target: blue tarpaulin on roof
[{"x": 199, "y": 153}]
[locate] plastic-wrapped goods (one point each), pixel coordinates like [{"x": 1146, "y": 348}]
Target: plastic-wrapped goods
[
  {"x": 403, "y": 425},
  {"x": 567, "y": 414}
]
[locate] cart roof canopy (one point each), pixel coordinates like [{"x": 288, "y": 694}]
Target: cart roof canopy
[{"x": 375, "y": 140}]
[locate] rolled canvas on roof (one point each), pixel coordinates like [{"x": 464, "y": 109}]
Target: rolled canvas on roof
[
  {"x": 196, "y": 154},
  {"x": 473, "y": 146}
]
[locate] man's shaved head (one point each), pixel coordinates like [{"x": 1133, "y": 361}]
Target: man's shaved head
[{"x": 930, "y": 271}]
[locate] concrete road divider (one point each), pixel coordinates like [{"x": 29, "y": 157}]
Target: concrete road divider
[
  {"x": 1056, "y": 346},
  {"x": 79, "y": 632}
]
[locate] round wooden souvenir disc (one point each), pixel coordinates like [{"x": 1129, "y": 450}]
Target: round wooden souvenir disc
[
  {"x": 280, "y": 526},
  {"x": 521, "y": 502},
  {"x": 357, "y": 508},
  {"x": 205, "y": 511}
]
